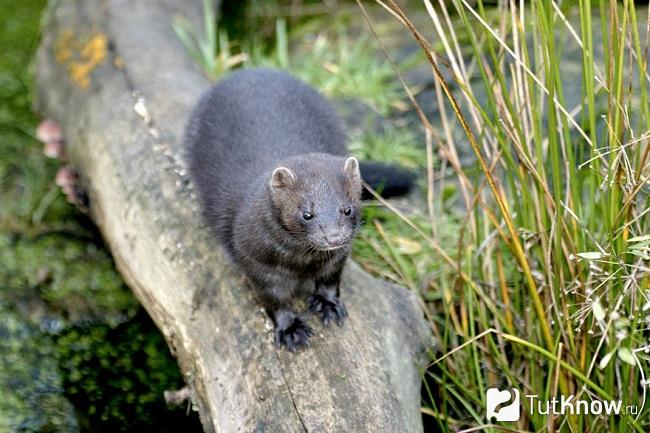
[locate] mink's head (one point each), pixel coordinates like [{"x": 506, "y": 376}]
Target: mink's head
[{"x": 318, "y": 199}]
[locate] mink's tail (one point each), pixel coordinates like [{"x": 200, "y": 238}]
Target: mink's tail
[{"x": 388, "y": 180}]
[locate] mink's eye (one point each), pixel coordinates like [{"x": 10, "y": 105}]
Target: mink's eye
[
  {"x": 347, "y": 211},
  {"x": 307, "y": 216}
]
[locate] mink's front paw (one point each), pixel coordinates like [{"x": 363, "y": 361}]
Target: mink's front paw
[
  {"x": 293, "y": 333},
  {"x": 328, "y": 309}
]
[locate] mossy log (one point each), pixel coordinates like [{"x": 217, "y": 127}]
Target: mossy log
[{"x": 115, "y": 77}]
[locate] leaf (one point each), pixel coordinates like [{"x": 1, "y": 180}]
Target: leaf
[
  {"x": 640, "y": 245},
  {"x": 603, "y": 362},
  {"x": 448, "y": 192},
  {"x": 407, "y": 246},
  {"x": 430, "y": 295},
  {"x": 591, "y": 255},
  {"x": 639, "y": 238},
  {"x": 641, "y": 254},
  {"x": 626, "y": 355},
  {"x": 599, "y": 311}
]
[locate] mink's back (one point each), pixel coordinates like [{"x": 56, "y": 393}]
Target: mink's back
[{"x": 243, "y": 127}]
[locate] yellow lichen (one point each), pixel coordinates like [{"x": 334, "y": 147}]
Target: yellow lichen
[
  {"x": 81, "y": 55},
  {"x": 63, "y": 51}
]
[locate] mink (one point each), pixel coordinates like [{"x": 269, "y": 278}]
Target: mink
[{"x": 267, "y": 155}]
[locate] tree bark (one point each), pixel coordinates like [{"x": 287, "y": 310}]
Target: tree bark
[{"x": 120, "y": 84}]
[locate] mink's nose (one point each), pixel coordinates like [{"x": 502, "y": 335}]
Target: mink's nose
[{"x": 335, "y": 238}]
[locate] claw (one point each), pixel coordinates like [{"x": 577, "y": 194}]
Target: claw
[
  {"x": 294, "y": 336},
  {"x": 328, "y": 309}
]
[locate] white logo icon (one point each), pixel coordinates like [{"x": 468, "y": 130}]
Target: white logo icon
[{"x": 495, "y": 408}]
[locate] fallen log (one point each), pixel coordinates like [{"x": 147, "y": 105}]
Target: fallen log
[{"x": 115, "y": 77}]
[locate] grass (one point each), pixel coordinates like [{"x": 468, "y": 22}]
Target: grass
[
  {"x": 209, "y": 48},
  {"x": 554, "y": 293},
  {"x": 389, "y": 143},
  {"x": 334, "y": 62},
  {"x": 326, "y": 57}
]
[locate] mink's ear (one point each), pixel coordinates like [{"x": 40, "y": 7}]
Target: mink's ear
[
  {"x": 282, "y": 177},
  {"x": 351, "y": 169}
]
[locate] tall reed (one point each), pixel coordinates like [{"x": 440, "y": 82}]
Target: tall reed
[{"x": 548, "y": 287}]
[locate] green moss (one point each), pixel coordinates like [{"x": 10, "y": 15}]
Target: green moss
[
  {"x": 32, "y": 391},
  {"x": 116, "y": 376},
  {"x": 77, "y": 351},
  {"x": 75, "y": 277}
]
